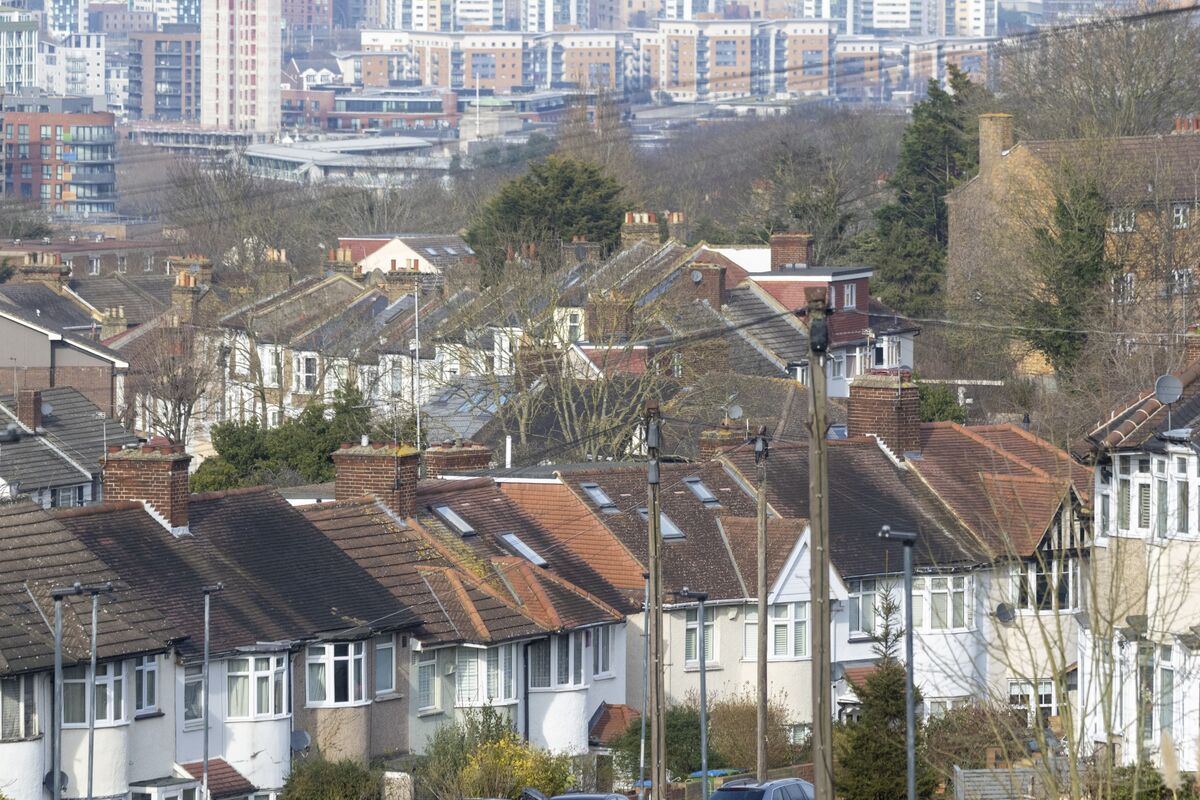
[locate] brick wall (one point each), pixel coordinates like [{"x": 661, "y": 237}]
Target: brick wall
[
  {"x": 639, "y": 226},
  {"x": 710, "y": 287},
  {"x": 790, "y": 249},
  {"x": 94, "y": 383},
  {"x": 29, "y": 408},
  {"x": 450, "y": 457},
  {"x": 155, "y": 473},
  {"x": 889, "y": 407},
  {"x": 388, "y": 472}
]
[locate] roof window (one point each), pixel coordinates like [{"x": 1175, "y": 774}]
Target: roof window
[
  {"x": 522, "y": 549},
  {"x": 666, "y": 525},
  {"x": 702, "y": 492},
  {"x": 449, "y": 516},
  {"x": 599, "y": 497}
]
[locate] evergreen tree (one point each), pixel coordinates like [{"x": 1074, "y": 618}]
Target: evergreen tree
[
  {"x": 1073, "y": 273},
  {"x": 939, "y": 148},
  {"x": 873, "y": 764}
]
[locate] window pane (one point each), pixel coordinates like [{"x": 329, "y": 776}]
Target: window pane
[
  {"x": 385, "y": 670},
  {"x": 262, "y": 694},
  {"x": 577, "y": 662},
  {"x": 564, "y": 658},
  {"x": 493, "y": 673},
  {"x": 779, "y": 640},
  {"x": 690, "y": 639},
  {"x": 10, "y": 708},
  {"x": 239, "y": 695},
  {"x": 341, "y": 679},
  {"x": 74, "y": 702},
  {"x": 316, "y": 683},
  {"x": 941, "y": 609},
  {"x": 100, "y": 701},
  {"x": 539, "y": 663},
  {"x": 750, "y": 641}
]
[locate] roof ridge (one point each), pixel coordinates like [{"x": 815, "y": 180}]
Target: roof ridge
[
  {"x": 239, "y": 491},
  {"x": 575, "y": 588},
  {"x": 975, "y": 437},
  {"x": 97, "y": 508}
]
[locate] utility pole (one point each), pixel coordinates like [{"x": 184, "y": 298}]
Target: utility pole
[
  {"x": 702, "y": 656},
  {"x": 818, "y": 516},
  {"x": 760, "y": 459},
  {"x": 641, "y": 784},
  {"x": 658, "y": 734}
]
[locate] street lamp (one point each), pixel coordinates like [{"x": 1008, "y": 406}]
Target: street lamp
[
  {"x": 95, "y": 591},
  {"x": 58, "y": 593},
  {"x": 208, "y": 592},
  {"x": 910, "y": 722},
  {"x": 701, "y": 652}
]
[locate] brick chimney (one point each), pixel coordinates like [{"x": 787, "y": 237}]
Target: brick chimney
[
  {"x": 706, "y": 282},
  {"x": 676, "y": 226},
  {"x": 790, "y": 250},
  {"x": 29, "y": 408},
  {"x": 113, "y": 323},
  {"x": 639, "y": 226},
  {"x": 184, "y": 296},
  {"x": 995, "y": 138},
  {"x": 463, "y": 456},
  {"x": 888, "y": 406},
  {"x": 387, "y": 471},
  {"x": 1191, "y": 345},
  {"x": 715, "y": 441},
  {"x": 607, "y": 317},
  {"x": 155, "y": 474}
]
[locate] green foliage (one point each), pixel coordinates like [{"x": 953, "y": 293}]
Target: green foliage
[
  {"x": 682, "y": 725},
  {"x": 873, "y": 761},
  {"x": 318, "y": 779},
  {"x": 962, "y": 737},
  {"x": 214, "y": 475},
  {"x": 939, "y": 149},
  {"x": 1073, "y": 273},
  {"x": 241, "y": 444},
  {"x": 939, "y": 404},
  {"x": 557, "y": 199},
  {"x": 441, "y": 772},
  {"x": 1146, "y": 783}
]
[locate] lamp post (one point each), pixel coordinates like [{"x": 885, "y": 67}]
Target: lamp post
[
  {"x": 208, "y": 592},
  {"x": 95, "y": 592},
  {"x": 701, "y": 652},
  {"x": 58, "y": 593},
  {"x": 910, "y": 720}
]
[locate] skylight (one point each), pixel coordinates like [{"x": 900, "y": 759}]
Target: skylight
[
  {"x": 530, "y": 555},
  {"x": 702, "y": 492},
  {"x": 666, "y": 525},
  {"x": 431, "y": 251},
  {"x": 451, "y": 518},
  {"x": 599, "y": 497}
]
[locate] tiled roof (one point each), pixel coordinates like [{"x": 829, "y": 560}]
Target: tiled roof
[
  {"x": 1038, "y": 452},
  {"x": 857, "y": 676},
  {"x": 1130, "y": 164},
  {"x": 143, "y": 296},
  {"x": 284, "y": 579},
  {"x": 609, "y": 722},
  {"x": 782, "y": 535},
  {"x": 37, "y": 552},
  {"x": 1136, "y": 425},
  {"x": 223, "y": 779},
  {"x": 43, "y": 301},
  {"x": 617, "y": 359},
  {"x": 299, "y": 308},
  {"x": 738, "y": 351},
  {"x": 780, "y": 336}
]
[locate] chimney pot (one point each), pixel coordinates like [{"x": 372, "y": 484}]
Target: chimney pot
[
  {"x": 465, "y": 456},
  {"x": 387, "y": 472}
]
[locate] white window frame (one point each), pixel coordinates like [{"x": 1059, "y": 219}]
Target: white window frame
[
  {"x": 1030, "y": 694},
  {"x": 327, "y": 655},
  {"x": 145, "y": 685},
  {"x": 500, "y": 674},
  {"x": 25, "y": 696},
  {"x": 1122, "y": 220},
  {"x": 861, "y": 589},
  {"x": 110, "y": 680},
  {"x": 425, "y": 665},
  {"x": 466, "y": 676},
  {"x": 850, "y": 295},
  {"x": 790, "y": 619},
  {"x": 837, "y": 367},
  {"x": 260, "y": 670},
  {"x": 304, "y": 380},
  {"x": 602, "y": 651},
  {"x": 541, "y": 649},
  {"x": 385, "y": 644},
  {"x": 193, "y": 677},
  {"x": 1181, "y": 216},
  {"x": 691, "y": 637},
  {"x": 573, "y": 659}
]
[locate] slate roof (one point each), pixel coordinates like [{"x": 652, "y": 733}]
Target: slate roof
[
  {"x": 462, "y": 408},
  {"x": 48, "y": 304},
  {"x": 868, "y": 491},
  {"x": 742, "y": 354},
  {"x": 440, "y": 249},
  {"x": 31, "y": 319},
  {"x": 143, "y": 296},
  {"x": 742, "y": 533},
  {"x": 284, "y": 579},
  {"x": 68, "y": 453},
  {"x": 779, "y": 337},
  {"x": 295, "y": 310},
  {"x": 223, "y": 779},
  {"x": 38, "y": 552}
]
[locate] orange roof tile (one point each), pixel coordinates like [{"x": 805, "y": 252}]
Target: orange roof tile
[
  {"x": 223, "y": 779},
  {"x": 611, "y": 720}
]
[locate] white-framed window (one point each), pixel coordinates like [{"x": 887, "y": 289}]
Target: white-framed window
[
  {"x": 568, "y": 659},
  {"x": 335, "y": 674},
  {"x": 501, "y": 671},
  {"x": 270, "y": 361},
  {"x": 18, "y": 708},
  {"x": 1182, "y": 280},
  {"x": 1122, "y": 220},
  {"x": 850, "y": 295},
  {"x": 837, "y": 366},
  {"x": 1181, "y": 216},
  {"x": 944, "y": 603},
  {"x": 789, "y": 630},
  {"x": 466, "y": 676},
  {"x": 1182, "y": 496},
  {"x": 602, "y": 650},
  {"x": 1125, "y": 287},
  {"x": 385, "y": 665},
  {"x": 145, "y": 683},
  {"x": 863, "y": 602},
  {"x": 74, "y": 705},
  {"x": 256, "y": 687},
  {"x": 485, "y": 675},
  {"x": 540, "y": 660},
  {"x": 574, "y": 327},
  {"x": 666, "y": 526},
  {"x": 425, "y": 662},
  {"x": 108, "y": 700},
  {"x": 66, "y": 497},
  {"x": 691, "y": 636},
  {"x": 1047, "y": 583},
  {"x": 1036, "y": 697},
  {"x": 122, "y": 264},
  {"x": 193, "y": 693},
  {"x": 1166, "y": 690},
  {"x": 93, "y": 265},
  {"x": 305, "y": 373}
]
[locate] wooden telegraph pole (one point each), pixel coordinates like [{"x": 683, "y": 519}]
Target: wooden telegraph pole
[
  {"x": 654, "y": 640},
  {"x": 760, "y": 458},
  {"x": 818, "y": 514}
]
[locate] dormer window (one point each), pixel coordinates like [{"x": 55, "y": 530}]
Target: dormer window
[
  {"x": 599, "y": 497},
  {"x": 456, "y": 523},
  {"x": 522, "y": 549},
  {"x": 702, "y": 492}
]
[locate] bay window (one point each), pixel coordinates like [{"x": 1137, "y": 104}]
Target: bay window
[
  {"x": 691, "y": 636},
  {"x": 1048, "y": 582},
  {"x": 109, "y": 697},
  {"x": 335, "y": 674},
  {"x": 74, "y": 688},
  {"x": 256, "y": 687},
  {"x": 501, "y": 673},
  {"x": 18, "y": 708},
  {"x": 568, "y": 651},
  {"x": 539, "y": 664},
  {"x": 947, "y": 602},
  {"x": 427, "y": 682},
  {"x": 466, "y": 676},
  {"x": 486, "y": 675},
  {"x": 145, "y": 683}
]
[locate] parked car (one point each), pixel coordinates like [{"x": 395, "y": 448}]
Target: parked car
[
  {"x": 782, "y": 789},
  {"x": 587, "y": 796}
]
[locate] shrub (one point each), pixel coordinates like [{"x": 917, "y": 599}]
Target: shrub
[
  {"x": 733, "y": 730},
  {"x": 449, "y": 751},
  {"x": 214, "y": 475},
  {"x": 318, "y": 779},
  {"x": 961, "y": 737},
  {"x": 683, "y": 743},
  {"x": 506, "y": 767}
]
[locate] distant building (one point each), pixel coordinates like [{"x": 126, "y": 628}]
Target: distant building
[
  {"x": 18, "y": 50},
  {"x": 241, "y": 63},
  {"x": 374, "y": 161},
  {"x": 117, "y": 18},
  {"x": 74, "y": 66},
  {"x": 63, "y": 153},
  {"x": 164, "y": 74}
]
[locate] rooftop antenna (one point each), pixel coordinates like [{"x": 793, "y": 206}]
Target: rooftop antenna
[{"x": 1168, "y": 389}]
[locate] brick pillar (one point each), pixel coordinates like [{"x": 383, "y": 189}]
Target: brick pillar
[
  {"x": 715, "y": 441},
  {"x": 789, "y": 250},
  {"x": 448, "y": 457},
  {"x": 29, "y": 408},
  {"x": 155, "y": 474},
  {"x": 887, "y": 406},
  {"x": 386, "y": 471}
]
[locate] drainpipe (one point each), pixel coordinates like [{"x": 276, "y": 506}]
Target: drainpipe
[{"x": 525, "y": 667}]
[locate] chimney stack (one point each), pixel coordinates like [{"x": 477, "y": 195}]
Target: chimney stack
[
  {"x": 995, "y": 138},
  {"x": 387, "y": 471},
  {"x": 790, "y": 250},
  {"x": 887, "y": 405},
  {"x": 449, "y": 457},
  {"x": 1191, "y": 345},
  {"x": 640, "y": 226},
  {"x": 707, "y": 282},
  {"x": 155, "y": 474},
  {"x": 184, "y": 296},
  {"x": 29, "y": 408},
  {"x": 715, "y": 441}
]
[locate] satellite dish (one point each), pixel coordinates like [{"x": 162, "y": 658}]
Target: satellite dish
[
  {"x": 697, "y": 276},
  {"x": 301, "y": 741},
  {"x": 1005, "y": 613},
  {"x": 734, "y": 412},
  {"x": 1168, "y": 389},
  {"x": 48, "y": 781},
  {"x": 47, "y": 409}
]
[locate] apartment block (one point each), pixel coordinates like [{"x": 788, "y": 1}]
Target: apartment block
[
  {"x": 801, "y": 56},
  {"x": 61, "y": 152},
  {"x": 240, "y": 67},
  {"x": 73, "y": 66},
  {"x": 18, "y": 50},
  {"x": 307, "y": 17},
  {"x": 117, "y": 18},
  {"x": 164, "y": 74},
  {"x": 64, "y": 17}
]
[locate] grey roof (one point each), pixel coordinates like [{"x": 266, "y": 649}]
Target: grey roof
[
  {"x": 762, "y": 326},
  {"x": 463, "y": 408},
  {"x": 45, "y": 303},
  {"x": 143, "y": 297},
  {"x": 33, "y": 320},
  {"x": 68, "y": 453}
]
